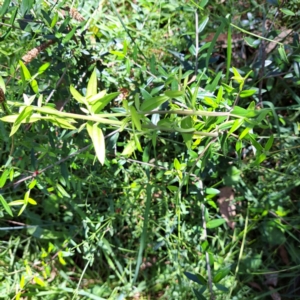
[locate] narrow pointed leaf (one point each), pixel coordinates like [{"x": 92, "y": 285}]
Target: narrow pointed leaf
[
  {"x": 26, "y": 113},
  {"x": 25, "y": 72},
  {"x": 98, "y": 140},
  {"x": 77, "y": 96},
  {"x": 215, "y": 223},
  {"x": 5, "y": 206},
  {"x": 136, "y": 119},
  {"x": 92, "y": 85},
  {"x": 153, "y": 103},
  {"x": 101, "y": 103},
  {"x": 4, "y": 7}
]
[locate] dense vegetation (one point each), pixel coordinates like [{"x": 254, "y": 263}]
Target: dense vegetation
[{"x": 149, "y": 149}]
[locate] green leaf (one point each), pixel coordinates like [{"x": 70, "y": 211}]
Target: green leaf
[
  {"x": 25, "y": 72},
  {"x": 239, "y": 111},
  {"x": 287, "y": 12},
  {"x": 4, "y": 177},
  {"x": 62, "y": 190},
  {"x": 77, "y": 96},
  {"x": 34, "y": 86},
  {"x": 220, "y": 94},
  {"x": 195, "y": 278},
  {"x": 98, "y": 140},
  {"x": 101, "y": 103},
  {"x": 137, "y": 143},
  {"x": 92, "y": 85},
  {"x": 257, "y": 145},
  {"x": 6, "y": 206},
  {"x": 16, "y": 202},
  {"x": 153, "y": 103},
  {"x": 32, "y": 201},
  {"x": 62, "y": 122},
  {"x": 221, "y": 274},
  {"x": 22, "y": 209},
  {"x": 244, "y": 132},
  {"x": 176, "y": 164},
  {"x": 54, "y": 20},
  {"x": 32, "y": 184},
  {"x": 213, "y": 85},
  {"x": 117, "y": 53},
  {"x": 43, "y": 68},
  {"x": 26, "y": 113},
  {"x": 198, "y": 295},
  {"x": 269, "y": 143},
  {"x": 247, "y": 93},
  {"x": 212, "y": 191},
  {"x": 136, "y": 119},
  {"x": 174, "y": 94},
  {"x": 129, "y": 148},
  {"x": 69, "y": 35},
  {"x": 96, "y": 97},
  {"x": 26, "y": 6},
  {"x": 4, "y": 8},
  {"x": 237, "y": 76},
  {"x": 11, "y": 22},
  {"x": 211, "y": 102},
  {"x": 203, "y": 3},
  {"x": 260, "y": 158},
  {"x": 237, "y": 123},
  {"x": 145, "y": 94},
  {"x": 202, "y": 23},
  {"x": 215, "y": 223},
  {"x": 282, "y": 54}
]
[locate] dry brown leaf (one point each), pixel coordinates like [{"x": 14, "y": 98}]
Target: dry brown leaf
[
  {"x": 226, "y": 205},
  {"x": 283, "y": 254},
  {"x": 255, "y": 285},
  {"x": 271, "y": 279},
  {"x": 275, "y": 295}
]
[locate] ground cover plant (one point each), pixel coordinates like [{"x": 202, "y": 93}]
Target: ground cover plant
[{"x": 149, "y": 150}]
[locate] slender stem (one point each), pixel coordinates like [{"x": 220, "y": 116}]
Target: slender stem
[
  {"x": 189, "y": 113},
  {"x": 255, "y": 35}
]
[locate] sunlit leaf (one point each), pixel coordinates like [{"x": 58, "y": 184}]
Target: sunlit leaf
[
  {"x": 94, "y": 98},
  {"x": 215, "y": 223},
  {"x": 269, "y": 143},
  {"x": 77, "y": 96},
  {"x": 22, "y": 116},
  {"x": 221, "y": 274},
  {"x": 174, "y": 94},
  {"x": 69, "y": 35},
  {"x": 32, "y": 201},
  {"x": 16, "y": 202},
  {"x": 98, "y": 105},
  {"x": 5, "y": 206},
  {"x": 62, "y": 190},
  {"x": 129, "y": 148},
  {"x": 25, "y": 72},
  {"x": 153, "y": 103},
  {"x": 247, "y": 93},
  {"x": 136, "y": 119},
  {"x": 43, "y": 68},
  {"x": 98, "y": 140},
  {"x": 39, "y": 281},
  {"x": 4, "y": 177},
  {"x": 92, "y": 85}
]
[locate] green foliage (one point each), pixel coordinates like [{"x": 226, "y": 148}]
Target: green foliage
[{"x": 121, "y": 130}]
